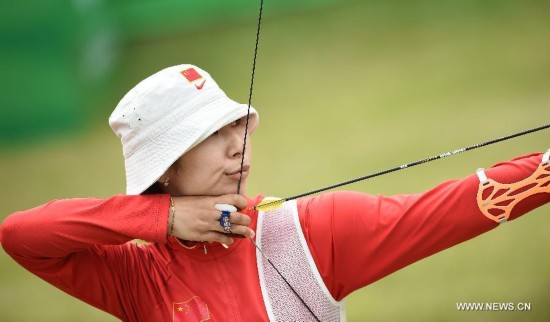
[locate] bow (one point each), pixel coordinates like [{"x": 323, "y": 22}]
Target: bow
[{"x": 270, "y": 205}]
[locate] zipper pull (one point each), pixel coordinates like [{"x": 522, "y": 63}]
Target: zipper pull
[{"x": 204, "y": 247}]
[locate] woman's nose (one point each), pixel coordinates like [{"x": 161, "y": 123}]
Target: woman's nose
[{"x": 235, "y": 143}]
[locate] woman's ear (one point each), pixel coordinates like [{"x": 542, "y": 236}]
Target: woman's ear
[
  {"x": 253, "y": 123},
  {"x": 164, "y": 180}
]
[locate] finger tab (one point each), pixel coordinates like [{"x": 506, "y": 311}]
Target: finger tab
[{"x": 225, "y": 207}]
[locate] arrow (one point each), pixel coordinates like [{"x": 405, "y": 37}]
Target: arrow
[{"x": 270, "y": 204}]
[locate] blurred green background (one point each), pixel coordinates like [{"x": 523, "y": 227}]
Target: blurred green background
[{"x": 344, "y": 88}]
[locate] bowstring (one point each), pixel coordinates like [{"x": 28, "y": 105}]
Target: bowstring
[
  {"x": 244, "y": 150},
  {"x": 250, "y": 93}
]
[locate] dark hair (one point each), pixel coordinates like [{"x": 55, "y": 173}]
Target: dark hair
[{"x": 154, "y": 189}]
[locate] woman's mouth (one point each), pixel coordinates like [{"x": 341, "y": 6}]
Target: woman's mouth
[{"x": 236, "y": 174}]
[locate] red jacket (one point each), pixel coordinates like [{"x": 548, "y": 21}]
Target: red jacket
[{"x": 82, "y": 247}]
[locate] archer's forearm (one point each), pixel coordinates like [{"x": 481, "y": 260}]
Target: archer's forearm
[
  {"x": 357, "y": 238},
  {"x": 61, "y": 227}
]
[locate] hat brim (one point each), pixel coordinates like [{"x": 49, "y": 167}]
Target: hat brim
[{"x": 146, "y": 165}]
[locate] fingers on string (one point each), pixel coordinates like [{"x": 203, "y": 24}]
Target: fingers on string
[
  {"x": 237, "y": 230},
  {"x": 236, "y": 200},
  {"x": 239, "y": 219},
  {"x": 238, "y": 225},
  {"x": 236, "y": 218}
]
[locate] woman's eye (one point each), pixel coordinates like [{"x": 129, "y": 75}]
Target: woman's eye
[{"x": 239, "y": 121}]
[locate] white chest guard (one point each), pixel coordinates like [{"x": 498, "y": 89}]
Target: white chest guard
[{"x": 280, "y": 237}]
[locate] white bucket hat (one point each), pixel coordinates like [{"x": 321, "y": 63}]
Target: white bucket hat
[{"x": 166, "y": 115}]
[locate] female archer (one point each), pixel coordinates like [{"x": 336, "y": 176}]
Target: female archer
[{"x": 182, "y": 141}]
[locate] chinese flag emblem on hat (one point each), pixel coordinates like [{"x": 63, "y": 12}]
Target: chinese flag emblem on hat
[{"x": 191, "y": 74}]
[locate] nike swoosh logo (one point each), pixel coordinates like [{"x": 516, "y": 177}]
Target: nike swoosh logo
[{"x": 199, "y": 86}]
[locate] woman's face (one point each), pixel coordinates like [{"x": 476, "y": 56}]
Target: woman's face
[{"x": 213, "y": 167}]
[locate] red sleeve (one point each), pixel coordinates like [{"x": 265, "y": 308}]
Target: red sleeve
[
  {"x": 356, "y": 239},
  {"x": 77, "y": 244}
]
